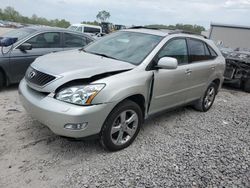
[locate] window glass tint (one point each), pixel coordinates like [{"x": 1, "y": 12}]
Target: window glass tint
[
  {"x": 177, "y": 49},
  {"x": 207, "y": 52},
  {"x": 91, "y": 30},
  {"x": 213, "y": 53},
  {"x": 71, "y": 40},
  {"x": 196, "y": 50},
  {"x": 46, "y": 40}
]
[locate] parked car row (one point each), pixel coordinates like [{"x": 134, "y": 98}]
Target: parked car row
[{"x": 33, "y": 42}]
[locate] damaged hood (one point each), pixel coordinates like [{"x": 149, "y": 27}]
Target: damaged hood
[
  {"x": 79, "y": 64},
  {"x": 73, "y": 65},
  {"x": 239, "y": 56}
]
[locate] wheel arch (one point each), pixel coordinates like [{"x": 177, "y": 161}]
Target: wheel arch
[{"x": 217, "y": 82}]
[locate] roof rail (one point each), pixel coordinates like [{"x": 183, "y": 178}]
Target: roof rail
[
  {"x": 143, "y": 27},
  {"x": 185, "y": 32}
]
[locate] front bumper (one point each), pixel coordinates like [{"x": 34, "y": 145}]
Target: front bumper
[{"x": 56, "y": 114}]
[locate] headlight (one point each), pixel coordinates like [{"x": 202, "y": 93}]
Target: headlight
[{"x": 81, "y": 95}]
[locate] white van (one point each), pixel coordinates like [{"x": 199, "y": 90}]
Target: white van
[{"x": 85, "y": 28}]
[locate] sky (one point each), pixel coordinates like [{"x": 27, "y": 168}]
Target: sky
[{"x": 139, "y": 12}]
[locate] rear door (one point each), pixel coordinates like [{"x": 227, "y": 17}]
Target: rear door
[
  {"x": 42, "y": 44},
  {"x": 201, "y": 67}
]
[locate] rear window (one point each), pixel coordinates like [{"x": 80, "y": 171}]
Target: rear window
[
  {"x": 200, "y": 51},
  {"x": 91, "y": 30}
]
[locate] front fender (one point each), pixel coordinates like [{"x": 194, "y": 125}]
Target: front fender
[{"x": 124, "y": 85}]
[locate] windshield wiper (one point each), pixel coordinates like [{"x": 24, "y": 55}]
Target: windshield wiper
[
  {"x": 103, "y": 55},
  {"x": 82, "y": 49}
]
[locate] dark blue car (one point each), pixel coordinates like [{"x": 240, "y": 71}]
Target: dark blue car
[{"x": 34, "y": 42}]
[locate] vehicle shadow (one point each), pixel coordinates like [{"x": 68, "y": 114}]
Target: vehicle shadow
[
  {"x": 42, "y": 136},
  {"x": 11, "y": 87}
]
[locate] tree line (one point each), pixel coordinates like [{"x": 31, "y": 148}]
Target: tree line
[{"x": 10, "y": 14}]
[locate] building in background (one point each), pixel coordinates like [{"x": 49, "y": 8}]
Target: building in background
[{"x": 231, "y": 36}]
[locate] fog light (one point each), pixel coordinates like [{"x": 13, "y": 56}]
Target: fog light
[{"x": 76, "y": 126}]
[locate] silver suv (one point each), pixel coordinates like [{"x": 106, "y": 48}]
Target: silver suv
[{"x": 109, "y": 87}]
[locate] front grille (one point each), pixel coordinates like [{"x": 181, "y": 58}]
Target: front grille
[{"x": 38, "y": 78}]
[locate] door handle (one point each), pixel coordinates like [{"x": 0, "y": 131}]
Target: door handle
[
  {"x": 212, "y": 67},
  {"x": 188, "y": 71}
]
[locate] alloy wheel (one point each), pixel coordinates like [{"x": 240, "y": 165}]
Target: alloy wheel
[
  {"x": 124, "y": 127},
  {"x": 209, "y": 98}
]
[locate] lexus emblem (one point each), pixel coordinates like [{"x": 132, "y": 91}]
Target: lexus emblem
[{"x": 32, "y": 74}]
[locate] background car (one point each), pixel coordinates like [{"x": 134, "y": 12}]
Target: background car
[
  {"x": 91, "y": 30},
  {"x": 34, "y": 42}
]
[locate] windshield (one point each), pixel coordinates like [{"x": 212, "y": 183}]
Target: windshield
[
  {"x": 126, "y": 46},
  {"x": 19, "y": 33}
]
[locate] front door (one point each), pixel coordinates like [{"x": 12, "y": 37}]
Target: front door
[{"x": 170, "y": 86}]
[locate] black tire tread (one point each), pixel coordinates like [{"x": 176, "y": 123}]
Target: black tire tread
[
  {"x": 2, "y": 80},
  {"x": 198, "y": 105},
  {"x": 103, "y": 140},
  {"x": 246, "y": 86}
]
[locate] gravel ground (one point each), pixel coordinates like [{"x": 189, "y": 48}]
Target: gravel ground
[{"x": 183, "y": 148}]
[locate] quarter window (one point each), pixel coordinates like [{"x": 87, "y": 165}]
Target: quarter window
[
  {"x": 176, "y": 48},
  {"x": 212, "y": 52},
  {"x": 46, "y": 40},
  {"x": 71, "y": 40}
]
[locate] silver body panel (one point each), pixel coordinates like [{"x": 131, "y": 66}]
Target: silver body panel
[{"x": 162, "y": 89}]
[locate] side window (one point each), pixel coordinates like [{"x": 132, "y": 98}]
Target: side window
[
  {"x": 176, "y": 48},
  {"x": 196, "y": 50},
  {"x": 212, "y": 52},
  {"x": 46, "y": 40},
  {"x": 91, "y": 30},
  {"x": 72, "y": 40}
]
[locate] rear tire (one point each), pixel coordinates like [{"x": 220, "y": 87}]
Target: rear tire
[
  {"x": 2, "y": 80},
  {"x": 121, "y": 126},
  {"x": 246, "y": 86},
  {"x": 207, "y": 100}
]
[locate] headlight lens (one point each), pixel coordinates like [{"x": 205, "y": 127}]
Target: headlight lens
[{"x": 81, "y": 95}]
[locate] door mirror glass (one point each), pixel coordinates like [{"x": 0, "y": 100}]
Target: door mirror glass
[
  {"x": 167, "y": 63},
  {"x": 25, "y": 46}
]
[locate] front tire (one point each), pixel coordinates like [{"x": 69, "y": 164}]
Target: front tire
[
  {"x": 121, "y": 126},
  {"x": 207, "y": 100},
  {"x": 246, "y": 86},
  {"x": 2, "y": 80}
]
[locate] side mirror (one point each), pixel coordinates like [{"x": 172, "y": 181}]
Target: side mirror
[
  {"x": 25, "y": 46},
  {"x": 167, "y": 63}
]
